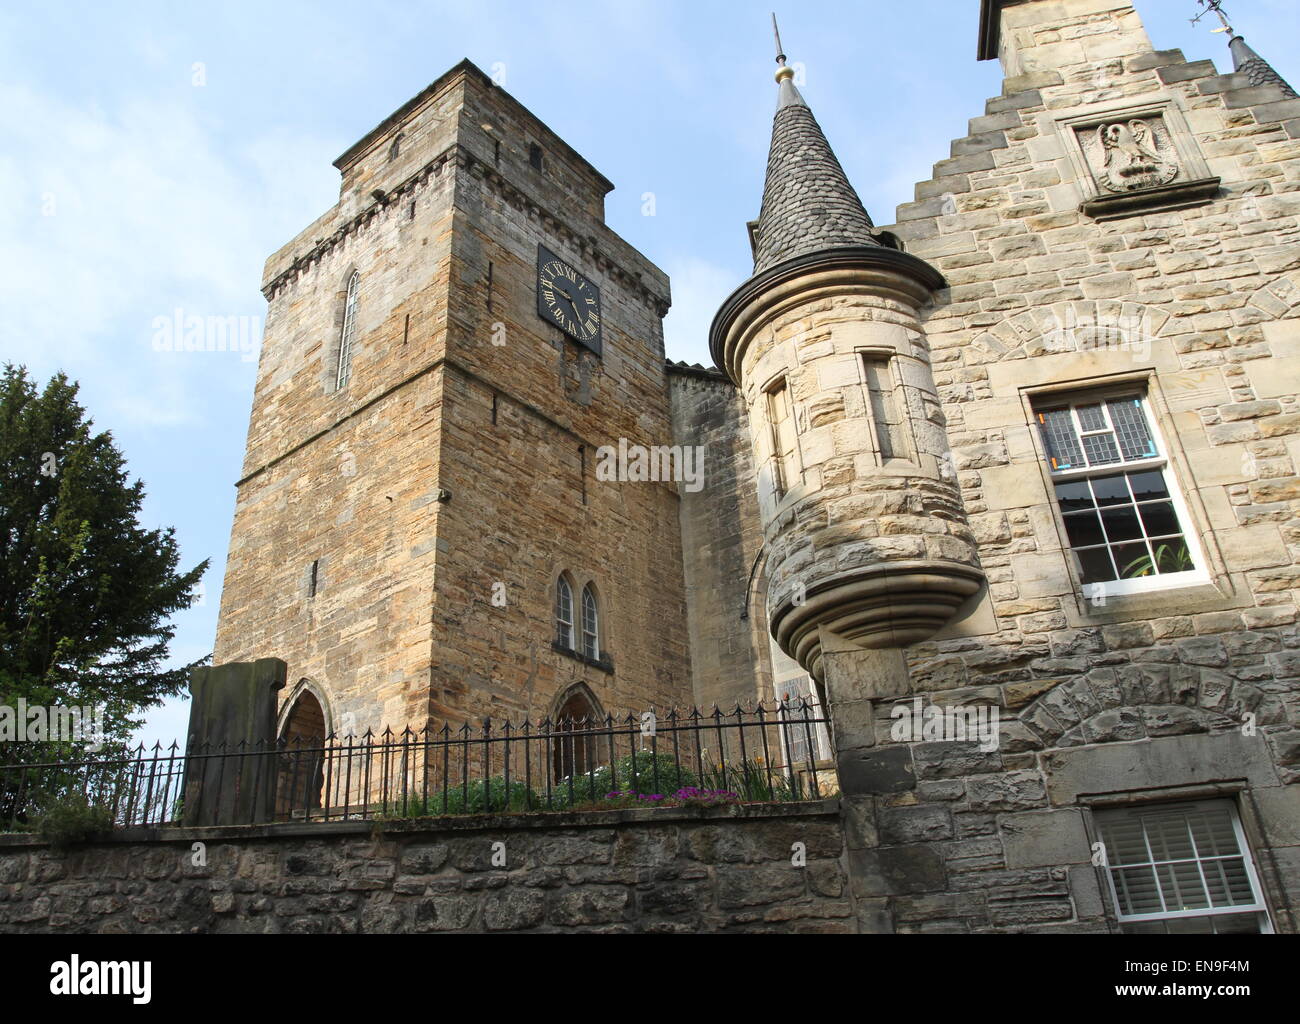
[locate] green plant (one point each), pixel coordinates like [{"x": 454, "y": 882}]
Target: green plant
[
  {"x": 478, "y": 798},
  {"x": 642, "y": 772},
  {"x": 73, "y": 820},
  {"x": 753, "y": 782},
  {"x": 1168, "y": 558}
]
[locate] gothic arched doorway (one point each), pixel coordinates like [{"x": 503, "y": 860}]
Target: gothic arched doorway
[
  {"x": 576, "y": 717},
  {"x": 303, "y": 734}
]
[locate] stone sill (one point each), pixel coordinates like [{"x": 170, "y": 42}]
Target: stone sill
[
  {"x": 492, "y": 823},
  {"x": 1152, "y": 200},
  {"x": 605, "y": 664},
  {"x": 1192, "y": 600}
]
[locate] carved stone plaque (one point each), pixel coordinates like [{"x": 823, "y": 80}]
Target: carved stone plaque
[{"x": 1129, "y": 155}]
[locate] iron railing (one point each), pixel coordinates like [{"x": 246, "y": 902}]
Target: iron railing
[{"x": 774, "y": 751}]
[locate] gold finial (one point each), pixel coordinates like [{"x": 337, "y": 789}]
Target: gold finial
[{"x": 783, "y": 73}]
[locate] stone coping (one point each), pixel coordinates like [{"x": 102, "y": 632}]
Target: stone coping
[{"x": 828, "y": 807}]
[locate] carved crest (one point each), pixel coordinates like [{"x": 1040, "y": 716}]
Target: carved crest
[{"x": 1135, "y": 156}]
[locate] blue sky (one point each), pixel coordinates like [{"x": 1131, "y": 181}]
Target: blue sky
[{"x": 128, "y": 191}]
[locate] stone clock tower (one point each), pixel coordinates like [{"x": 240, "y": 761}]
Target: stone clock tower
[{"x": 446, "y": 349}]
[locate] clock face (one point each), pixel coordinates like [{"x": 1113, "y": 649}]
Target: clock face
[{"x": 567, "y": 300}]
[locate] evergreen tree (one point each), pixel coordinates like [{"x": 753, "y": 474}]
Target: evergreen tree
[{"x": 85, "y": 592}]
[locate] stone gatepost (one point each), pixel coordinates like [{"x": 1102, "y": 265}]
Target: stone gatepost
[{"x": 231, "y": 766}]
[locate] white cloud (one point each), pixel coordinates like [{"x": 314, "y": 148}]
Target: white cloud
[{"x": 116, "y": 215}]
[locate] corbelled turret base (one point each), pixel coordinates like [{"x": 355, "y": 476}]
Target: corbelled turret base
[{"x": 893, "y": 604}]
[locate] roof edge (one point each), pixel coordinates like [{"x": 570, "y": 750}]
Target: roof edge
[
  {"x": 466, "y": 68},
  {"x": 826, "y": 259},
  {"x": 990, "y": 29}
]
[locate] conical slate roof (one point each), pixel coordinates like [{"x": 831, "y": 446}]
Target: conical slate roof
[
  {"x": 808, "y": 204},
  {"x": 1260, "y": 72}
]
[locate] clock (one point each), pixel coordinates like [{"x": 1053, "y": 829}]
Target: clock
[{"x": 568, "y": 300}]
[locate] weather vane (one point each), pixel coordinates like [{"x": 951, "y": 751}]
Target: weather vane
[{"x": 1215, "y": 6}]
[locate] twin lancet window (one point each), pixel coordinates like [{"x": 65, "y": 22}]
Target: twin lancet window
[{"x": 566, "y": 626}]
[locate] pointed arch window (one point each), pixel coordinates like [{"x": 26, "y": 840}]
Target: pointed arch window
[
  {"x": 564, "y": 613},
  {"x": 590, "y": 624},
  {"x": 349, "y": 331}
]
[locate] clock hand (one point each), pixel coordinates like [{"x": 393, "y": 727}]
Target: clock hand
[{"x": 561, "y": 293}]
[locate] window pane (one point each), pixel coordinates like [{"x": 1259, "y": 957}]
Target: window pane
[
  {"x": 1100, "y": 449},
  {"x": 1111, "y": 490},
  {"x": 1134, "y": 561},
  {"x": 1095, "y": 566},
  {"x": 1149, "y": 485},
  {"x": 1074, "y": 496},
  {"x": 1190, "y": 926},
  {"x": 1214, "y": 834},
  {"x": 1138, "y": 893},
  {"x": 1084, "y": 530},
  {"x": 1160, "y": 519},
  {"x": 1091, "y": 417},
  {"x": 1169, "y": 836},
  {"x": 1173, "y": 556},
  {"x": 1181, "y": 884},
  {"x": 1236, "y": 924},
  {"x": 1121, "y": 523},
  {"x": 1145, "y": 928},
  {"x": 1135, "y": 439},
  {"x": 1057, "y": 427}
]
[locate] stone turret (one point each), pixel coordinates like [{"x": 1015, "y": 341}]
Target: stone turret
[{"x": 866, "y": 535}]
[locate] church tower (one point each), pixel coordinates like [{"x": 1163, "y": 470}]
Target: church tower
[
  {"x": 420, "y": 531},
  {"x": 866, "y": 536}
]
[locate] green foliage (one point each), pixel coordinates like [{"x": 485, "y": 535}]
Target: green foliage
[
  {"x": 86, "y": 593},
  {"x": 490, "y": 798},
  {"x": 752, "y": 782},
  {"x": 642, "y": 772},
  {"x": 73, "y": 820},
  {"x": 1168, "y": 558}
]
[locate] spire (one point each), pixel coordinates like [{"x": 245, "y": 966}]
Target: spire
[
  {"x": 808, "y": 203},
  {"x": 1256, "y": 68},
  {"x": 1245, "y": 61}
]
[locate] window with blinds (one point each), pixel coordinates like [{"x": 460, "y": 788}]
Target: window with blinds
[
  {"x": 802, "y": 740},
  {"x": 1182, "y": 869}
]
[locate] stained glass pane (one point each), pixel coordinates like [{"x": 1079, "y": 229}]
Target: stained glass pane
[
  {"x": 1100, "y": 449},
  {"x": 1091, "y": 417},
  {"x": 1058, "y": 436},
  {"x": 1131, "y": 429}
]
